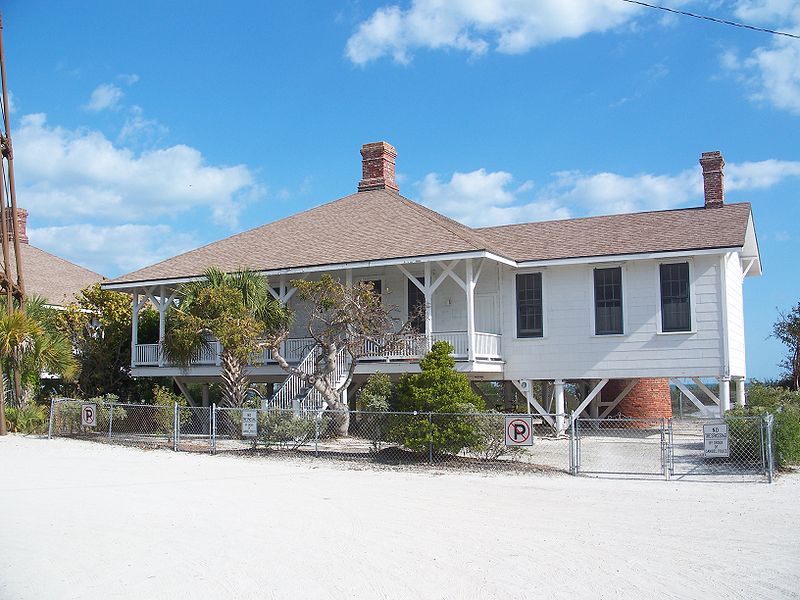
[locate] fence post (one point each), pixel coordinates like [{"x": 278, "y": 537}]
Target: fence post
[
  {"x": 50, "y": 424},
  {"x": 770, "y": 457},
  {"x": 316, "y": 434},
  {"x": 213, "y": 426},
  {"x": 175, "y": 432},
  {"x": 430, "y": 438},
  {"x": 110, "y": 419},
  {"x": 572, "y": 469},
  {"x": 664, "y": 449}
]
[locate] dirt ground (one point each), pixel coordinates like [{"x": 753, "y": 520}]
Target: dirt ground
[{"x": 88, "y": 520}]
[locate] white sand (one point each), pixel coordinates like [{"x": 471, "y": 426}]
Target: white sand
[{"x": 86, "y": 520}]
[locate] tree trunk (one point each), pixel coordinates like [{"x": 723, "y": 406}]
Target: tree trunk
[
  {"x": 3, "y": 429},
  {"x": 235, "y": 380}
]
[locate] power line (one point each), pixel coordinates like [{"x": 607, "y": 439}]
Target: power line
[{"x": 713, "y": 19}]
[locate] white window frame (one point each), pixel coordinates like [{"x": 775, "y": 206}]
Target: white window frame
[
  {"x": 623, "y": 278},
  {"x": 692, "y": 297},
  {"x": 545, "y": 327}
]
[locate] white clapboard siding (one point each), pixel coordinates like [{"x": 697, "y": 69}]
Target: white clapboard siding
[{"x": 571, "y": 350}]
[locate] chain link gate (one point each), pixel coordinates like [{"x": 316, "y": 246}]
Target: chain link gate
[
  {"x": 670, "y": 448},
  {"x": 625, "y": 447}
]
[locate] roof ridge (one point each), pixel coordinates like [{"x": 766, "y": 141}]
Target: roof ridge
[{"x": 617, "y": 215}]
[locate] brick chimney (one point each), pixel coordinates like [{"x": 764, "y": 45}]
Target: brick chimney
[
  {"x": 22, "y": 225},
  {"x": 713, "y": 178},
  {"x": 378, "y": 167}
]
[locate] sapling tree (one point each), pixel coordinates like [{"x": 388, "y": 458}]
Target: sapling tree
[
  {"x": 787, "y": 330},
  {"x": 346, "y": 323}
]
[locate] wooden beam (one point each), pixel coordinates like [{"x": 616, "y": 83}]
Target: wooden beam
[
  {"x": 591, "y": 396},
  {"x": 708, "y": 392},
  {"x": 532, "y": 401},
  {"x": 413, "y": 279},
  {"x": 688, "y": 393},
  {"x": 184, "y": 391},
  {"x": 618, "y": 399}
]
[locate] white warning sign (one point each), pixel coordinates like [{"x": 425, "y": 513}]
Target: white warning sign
[
  {"x": 519, "y": 431},
  {"x": 249, "y": 423},
  {"x": 716, "y": 443}
]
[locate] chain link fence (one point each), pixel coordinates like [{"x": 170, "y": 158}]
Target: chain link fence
[
  {"x": 645, "y": 448},
  {"x": 729, "y": 448}
]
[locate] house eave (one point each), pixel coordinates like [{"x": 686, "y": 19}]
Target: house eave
[
  {"x": 133, "y": 285},
  {"x": 582, "y": 260}
]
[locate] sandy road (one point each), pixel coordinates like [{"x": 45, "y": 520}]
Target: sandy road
[{"x": 86, "y": 520}]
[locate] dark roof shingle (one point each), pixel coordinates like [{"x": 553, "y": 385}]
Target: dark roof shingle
[{"x": 381, "y": 224}]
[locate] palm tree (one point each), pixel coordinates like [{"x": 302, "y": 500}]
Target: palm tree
[
  {"x": 235, "y": 309},
  {"x": 18, "y": 333}
]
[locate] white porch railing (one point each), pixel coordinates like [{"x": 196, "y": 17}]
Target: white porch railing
[
  {"x": 146, "y": 354},
  {"x": 459, "y": 340},
  {"x": 487, "y": 347}
]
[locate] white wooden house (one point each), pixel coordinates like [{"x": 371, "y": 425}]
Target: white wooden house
[{"x": 621, "y": 305}]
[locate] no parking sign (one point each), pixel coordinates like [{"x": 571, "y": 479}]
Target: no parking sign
[
  {"x": 519, "y": 431},
  {"x": 89, "y": 415}
]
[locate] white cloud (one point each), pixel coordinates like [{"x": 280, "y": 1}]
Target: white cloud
[
  {"x": 105, "y": 96},
  {"x": 474, "y": 26},
  {"x": 128, "y": 78},
  {"x": 138, "y": 127},
  {"x": 113, "y": 249},
  {"x": 481, "y": 198},
  {"x": 772, "y": 72},
  {"x": 77, "y": 174}
]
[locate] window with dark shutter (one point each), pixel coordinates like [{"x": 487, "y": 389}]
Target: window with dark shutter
[
  {"x": 676, "y": 314},
  {"x": 608, "y": 301},
  {"x": 530, "y": 318}
]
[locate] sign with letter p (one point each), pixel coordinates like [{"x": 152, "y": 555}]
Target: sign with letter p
[
  {"x": 89, "y": 415},
  {"x": 519, "y": 431}
]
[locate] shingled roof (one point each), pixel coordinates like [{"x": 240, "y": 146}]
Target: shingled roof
[
  {"x": 370, "y": 225},
  {"x": 635, "y": 233},
  {"x": 377, "y": 223},
  {"x": 57, "y": 280}
]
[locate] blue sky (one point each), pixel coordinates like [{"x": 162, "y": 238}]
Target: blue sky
[{"x": 145, "y": 129}]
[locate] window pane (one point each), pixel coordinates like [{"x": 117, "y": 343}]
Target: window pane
[
  {"x": 676, "y": 314},
  {"x": 416, "y": 305},
  {"x": 608, "y": 301},
  {"x": 530, "y": 317}
]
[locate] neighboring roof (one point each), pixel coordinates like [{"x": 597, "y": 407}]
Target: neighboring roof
[
  {"x": 381, "y": 224},
  {"x": 55, "y": 279},
  {"x": 635, "y": 233},
  {"x": 370, "y": 225}
]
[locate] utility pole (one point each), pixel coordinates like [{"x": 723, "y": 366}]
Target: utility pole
[{"x": 11, "y": 278}]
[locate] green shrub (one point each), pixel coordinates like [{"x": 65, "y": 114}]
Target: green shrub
[
  {"x": 69, "y": 413},
  {"x": 785, "y": 406},
  {"x": 490, "y": 437},
  {"x": 374, "y": 400},
  {"x": 31, "y": 418},
  {"x": 164, "y": 420},
  {"x": 438, "y": 388},
  {"x": 284, "y": 429}
]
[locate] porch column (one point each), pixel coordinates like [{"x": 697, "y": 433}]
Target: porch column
[
  {"x": 428, "y": 306},
  {"x": 724, "y": 395},
  {"x": 560, "y": 407},
  {"x": 135, "y": 327},
  {"x": 470, "y": 312},
  {"x": 162, "y": 324},
  {"x": 740, "y": 391}
]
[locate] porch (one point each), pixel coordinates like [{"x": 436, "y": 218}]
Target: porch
[{"x": 412, "y": 347}]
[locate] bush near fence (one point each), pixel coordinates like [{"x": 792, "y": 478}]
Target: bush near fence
[{"x": 785, "y": 406}]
